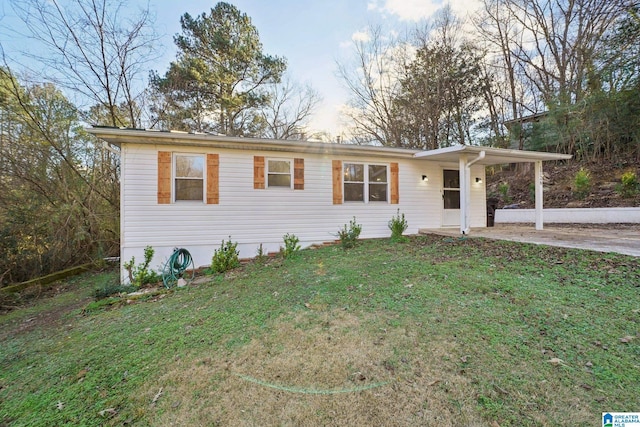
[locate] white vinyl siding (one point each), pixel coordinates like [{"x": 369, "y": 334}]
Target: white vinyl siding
[{"x": 253, "y": 217}]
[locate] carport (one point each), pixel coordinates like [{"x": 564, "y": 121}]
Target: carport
[{"x": 466, "y": 156}]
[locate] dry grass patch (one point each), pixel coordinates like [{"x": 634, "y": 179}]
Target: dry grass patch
[{"x": 331, "y": 368}]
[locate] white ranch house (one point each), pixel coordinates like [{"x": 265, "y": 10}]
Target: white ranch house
[{"x": 181, "y": 190}]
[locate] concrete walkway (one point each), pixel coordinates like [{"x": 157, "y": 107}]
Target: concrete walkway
[{"x": 618, "y": 238}]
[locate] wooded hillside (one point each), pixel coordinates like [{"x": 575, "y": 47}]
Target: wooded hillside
[{"x": 573, "y": 65}]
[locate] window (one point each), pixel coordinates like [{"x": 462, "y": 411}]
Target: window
[
  {"x": 279, "y": 173},
  {"x": 365, "y": 182},
  {"x": 377, "y": 183},
  {"x": 189, "y": 177},
  {"x": 353, "y": 182}
]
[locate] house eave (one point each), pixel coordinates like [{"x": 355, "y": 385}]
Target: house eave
[
  {"x": 119, "y": 136},
  {"x": 493, "y": 156}
]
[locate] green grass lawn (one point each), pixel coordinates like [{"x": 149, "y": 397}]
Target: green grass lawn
[{"x": 434, "y": 331}]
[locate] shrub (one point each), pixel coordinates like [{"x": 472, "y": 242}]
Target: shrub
[
  {"x": 349, "y": 234},
  {"x": 225, "y": 257},
  {"x": 291, "y": 246},
  {"x": 398, "y": 225},
  {"x": 629, "y": 185},
  {"x": 503, "y": 189},
  {"x": 532, "y": 192},
  {"x": 140, "y": 274},
  {"x": 261, "y": 256},
  {"x": 582, "y": 183}
]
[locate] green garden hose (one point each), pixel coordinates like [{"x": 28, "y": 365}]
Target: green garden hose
[{"x": 177, "y": 265}]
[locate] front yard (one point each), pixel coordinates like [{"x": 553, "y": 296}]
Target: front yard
[{"x": 435, "y": 331}]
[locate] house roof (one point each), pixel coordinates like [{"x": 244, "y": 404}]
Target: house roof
[
  {"x": 118, "y": 136},
  {"x": 526, "y": 119},
  {"x": 492, "y": 156}
]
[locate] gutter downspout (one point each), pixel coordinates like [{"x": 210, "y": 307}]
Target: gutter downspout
[{"x": 465, "y": 183}]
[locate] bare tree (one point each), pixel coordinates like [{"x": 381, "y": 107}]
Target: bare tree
[
  {"x": 561, "y": 42},
  {"x": 502, "y": 38},
  {"x": 374, "y": 82},
  {"x": 289, "y": 108},
  {"x": 93, "y": 48}
]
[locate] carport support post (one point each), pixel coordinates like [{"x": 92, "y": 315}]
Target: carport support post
[
  {"x": 465, "y": 194},
  {"x": 539, "y": 199}
]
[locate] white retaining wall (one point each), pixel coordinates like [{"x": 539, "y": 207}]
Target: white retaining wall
[{"x": 571, "y": 216}]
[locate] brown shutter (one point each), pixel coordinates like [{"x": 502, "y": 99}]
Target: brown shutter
[
  {"x": 337, "y": 182},
  {"x": 258, "y": 172},
  {"x": 164, "y": 177},
  {"x": 213, "y": 192},
  {"x": 298, "y": 174},
  {"x": 395, "y": 187}
]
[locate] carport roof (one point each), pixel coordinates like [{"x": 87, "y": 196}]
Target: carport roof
[{"x": 493, "y": 156}]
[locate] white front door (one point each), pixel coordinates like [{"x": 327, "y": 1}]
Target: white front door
[{"x": 451, "y": 198}]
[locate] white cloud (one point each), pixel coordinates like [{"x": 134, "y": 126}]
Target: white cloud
[
  {"x": 361, "y": 36},
  {"x": 416, "y": 10}
]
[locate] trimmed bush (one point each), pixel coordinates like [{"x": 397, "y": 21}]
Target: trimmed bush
[
  {"x": 398, "y": 225},
  {"x": 349, "y": 234},
  {"x": 582, "y": 183},
  {"x": 629, "y": 185},
  {"x": 225, "y": 257},
  {"x": 503, "y": 189},
  {"x": 291, "y": 245}
]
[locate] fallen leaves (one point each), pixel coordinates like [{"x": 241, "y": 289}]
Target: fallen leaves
[
  {"x": 109, "y": 412},
  {"x": 556, "y": 361},
  {"x": 157, "y": 396}
]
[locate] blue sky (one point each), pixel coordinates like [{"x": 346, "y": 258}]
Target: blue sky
[{"x": 311, "y": 34}]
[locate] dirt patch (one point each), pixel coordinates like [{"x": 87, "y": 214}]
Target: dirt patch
[
  {"x": 49, "y": 317},
  {"x": 559, "y": 187},
  {"x": 329, "y": 368}
]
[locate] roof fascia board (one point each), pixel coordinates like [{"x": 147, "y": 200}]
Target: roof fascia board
[
  {"x": 493, "y": 155},
  {"x": 118, "y": 136}
]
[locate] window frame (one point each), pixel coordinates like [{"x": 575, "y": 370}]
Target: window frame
[
  {"x": 366, "y": 194},
  {"x": 175, "y": 177},
  {"x": 267, "y": 161}
]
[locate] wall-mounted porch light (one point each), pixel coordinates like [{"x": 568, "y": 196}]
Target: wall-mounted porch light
[
  {"x": 425, "y": 178},
  {"x": 478, "y": 180}
]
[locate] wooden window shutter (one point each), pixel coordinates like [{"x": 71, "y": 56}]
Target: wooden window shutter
[
  {"x": 337, "y": 182},
  {"x": 395, "y": 186},
  {"x": 258, "y": 172},
  {"x": 164, "y": 177},
  {"x": 213, "y": 192},
  {"x": 298, "y": 174}
]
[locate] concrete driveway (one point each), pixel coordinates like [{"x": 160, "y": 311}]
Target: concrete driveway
[{"x": 618, "y": 238}]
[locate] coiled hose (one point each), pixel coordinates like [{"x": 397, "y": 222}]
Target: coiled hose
[{"x": 176, "y": 267}]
